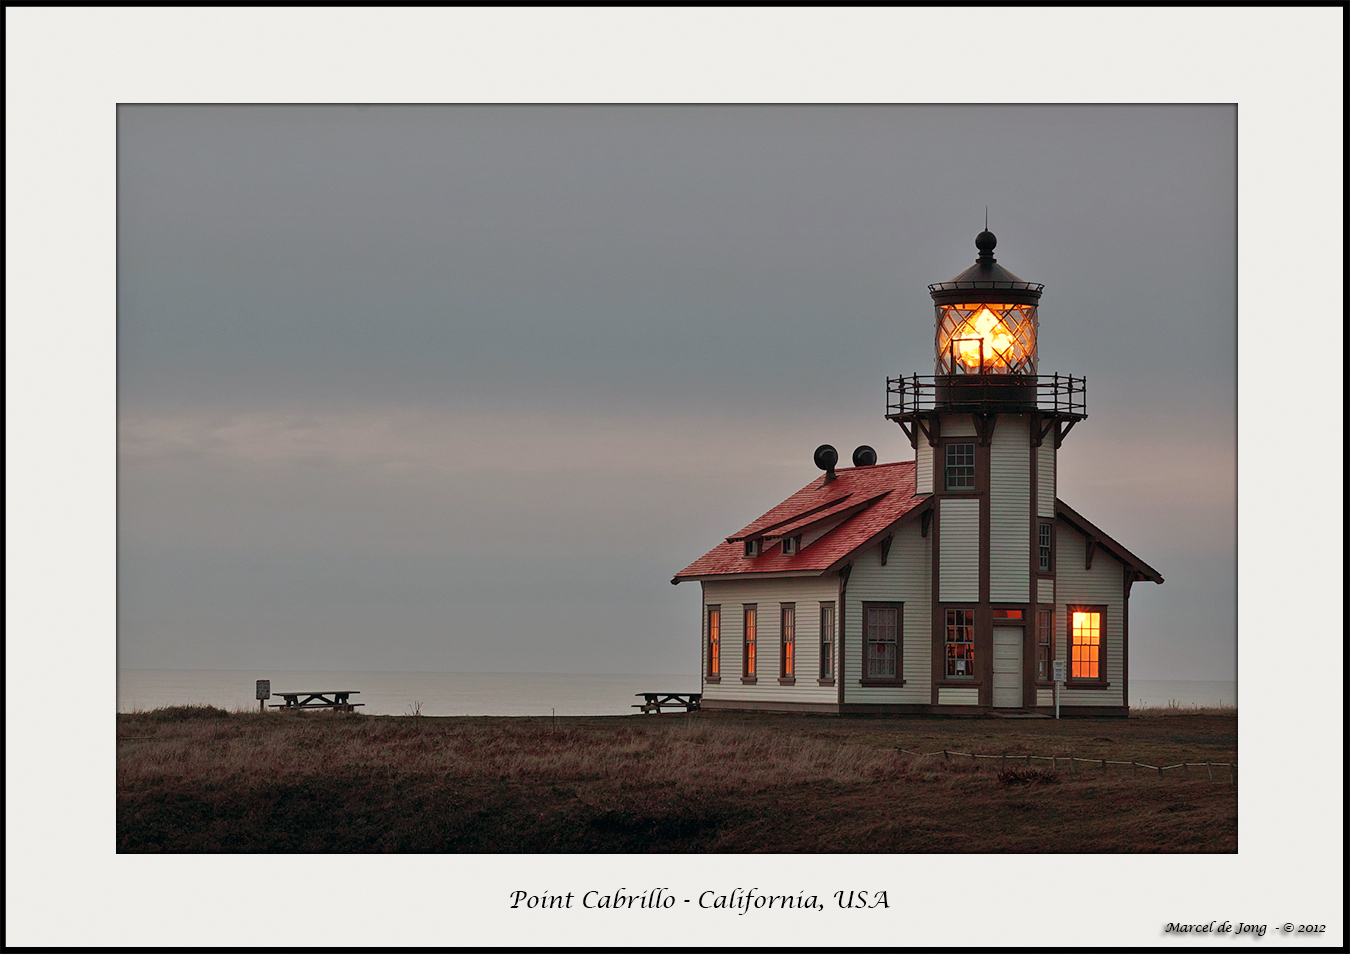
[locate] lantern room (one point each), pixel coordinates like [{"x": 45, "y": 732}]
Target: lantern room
[
  {"x": 985, "y": 343},
  {"x": 986, "y": 318}
]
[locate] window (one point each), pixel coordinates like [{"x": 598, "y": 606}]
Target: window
[
  {"x": 1007, "y": 614},
  {"x": 714, "y": 642},
  {"x": 1045, "y": 547},
  {"x": 1087, "y": 651},
  {"x": 881, "y": 642},
  {"x": 960, "y": 644},
  {"x": 748, "y": 673},
  {"x": 791, "y": 544},
  {"x": 1045, "y": 646},
  {"x": 960, "y": 466},
  {"x": 752, "y": 548},
  {"x": 826, "y": 640},
  {"x": 788, "y": 637}
]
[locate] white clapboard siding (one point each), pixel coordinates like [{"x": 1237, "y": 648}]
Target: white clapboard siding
[
  {"x": 1010, "y": 511},
  {"x": 1045, "y": 590},
  {"x": 923, "y": 466},
  {"x": 949, "y": 696},
  {"x": 1103, "y": 585},
  {"x": 958, "y": 425},
  {"x": 959, "y": 550},
  {"x": 1045, "y": 479},
  {"x": 808, "y": 593},
  {"x": 1045, "y": 697},
  {"x": 904, "y": 579}
]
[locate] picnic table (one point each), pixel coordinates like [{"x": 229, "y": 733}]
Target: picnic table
[
  {"x": 653, "y": 701},
  {"x": 335, "y": 699}
]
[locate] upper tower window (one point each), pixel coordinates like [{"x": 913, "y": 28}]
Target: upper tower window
[{"x": 960, "y": 466}]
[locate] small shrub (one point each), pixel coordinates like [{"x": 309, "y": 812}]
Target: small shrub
[
  {"x": 183, "y": 713},
  {"x": 1026, "y": 776}
]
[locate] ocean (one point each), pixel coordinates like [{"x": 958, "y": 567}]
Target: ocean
[{"x": 495, "y": 693}]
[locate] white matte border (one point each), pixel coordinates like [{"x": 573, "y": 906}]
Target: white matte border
[{"x": 68, "y": 67}]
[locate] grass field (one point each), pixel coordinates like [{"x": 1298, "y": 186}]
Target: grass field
[{"x": 199, "y": 779}]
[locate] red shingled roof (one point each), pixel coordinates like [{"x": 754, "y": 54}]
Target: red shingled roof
[{"x": 883, "y": 492}]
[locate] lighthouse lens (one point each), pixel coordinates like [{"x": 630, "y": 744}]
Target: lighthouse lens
[{"x": 986, "y": 338}]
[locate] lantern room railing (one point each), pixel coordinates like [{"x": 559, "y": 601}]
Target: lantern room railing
[
  {"x": 1057, "y": 393},
  {"x": 1033, "y": 287}
]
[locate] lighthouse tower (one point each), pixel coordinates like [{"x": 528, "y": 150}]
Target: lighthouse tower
[
  {"x": 986, "y": 428},
  {"x": 953, "y": 582}
]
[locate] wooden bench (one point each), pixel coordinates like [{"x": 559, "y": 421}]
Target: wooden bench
[
  {"x": 335, "y": 699},
  {"x": 653, "y": 701}
]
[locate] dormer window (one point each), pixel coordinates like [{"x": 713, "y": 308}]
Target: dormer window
[
  {"x": 791, "y": 545},
  {"x": 752, "y": 548}
]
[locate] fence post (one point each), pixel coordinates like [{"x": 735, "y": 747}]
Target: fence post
[
  {"x": 945, "y": 756},
  {"x": 1210, "y": 770}
]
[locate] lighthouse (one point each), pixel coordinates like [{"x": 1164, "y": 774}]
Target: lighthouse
[
  {"x": 952, "y": 581},
  {"x": 986, "y": 429}
]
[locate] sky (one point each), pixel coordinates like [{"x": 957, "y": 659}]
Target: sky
[
  {"x": 460, "y": 388},
  {"x": 239, "y": 435}
]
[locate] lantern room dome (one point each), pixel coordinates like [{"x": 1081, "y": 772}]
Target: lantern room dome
[{"x": 986, "y": 280}]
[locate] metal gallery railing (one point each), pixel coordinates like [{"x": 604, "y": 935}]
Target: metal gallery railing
[{"x": 1058, "y": 393}]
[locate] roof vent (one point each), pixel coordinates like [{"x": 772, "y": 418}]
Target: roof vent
[
  {"x": 864, "y": 456},
  {"x": 826, "y": 457}
]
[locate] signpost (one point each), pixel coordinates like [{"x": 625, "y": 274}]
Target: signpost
[
  {"x": 264, "y": 692},
  {"x": 1059, "y": 680}
]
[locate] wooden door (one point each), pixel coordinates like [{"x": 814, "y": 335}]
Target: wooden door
[{"x": 1007, "y": 667}]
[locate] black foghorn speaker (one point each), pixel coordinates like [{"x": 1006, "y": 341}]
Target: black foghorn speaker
[
  {"x": 826, "y": 458},
  {"x": 864, "y": 456}
]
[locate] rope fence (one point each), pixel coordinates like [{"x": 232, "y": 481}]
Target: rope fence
[{"x": 1073, "y": 761}]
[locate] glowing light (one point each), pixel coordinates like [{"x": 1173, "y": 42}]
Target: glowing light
[
  {"x": 988, "y": 337},
  {"x": 982, "y": 336}
]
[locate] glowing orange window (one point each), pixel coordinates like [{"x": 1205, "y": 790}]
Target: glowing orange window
[
  {"x": 750, "y": 614},
  {"x": 1085, "y": 644},
  {"x": 714, "y": 640}
]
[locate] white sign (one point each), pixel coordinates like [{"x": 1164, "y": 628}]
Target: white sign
[
  {"x": 264, "y": 689},
  {"x": 1059, "y": 670}
]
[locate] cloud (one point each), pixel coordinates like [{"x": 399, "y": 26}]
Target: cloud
[{"x": 440, "y": 442}]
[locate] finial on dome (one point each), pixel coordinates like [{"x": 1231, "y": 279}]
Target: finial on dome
[{"x": 985, "y": 242}]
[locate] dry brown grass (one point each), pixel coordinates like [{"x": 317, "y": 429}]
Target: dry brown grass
[
  {"x": 205, "y": 780},
  {"x": 1180, "y": 708}
]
